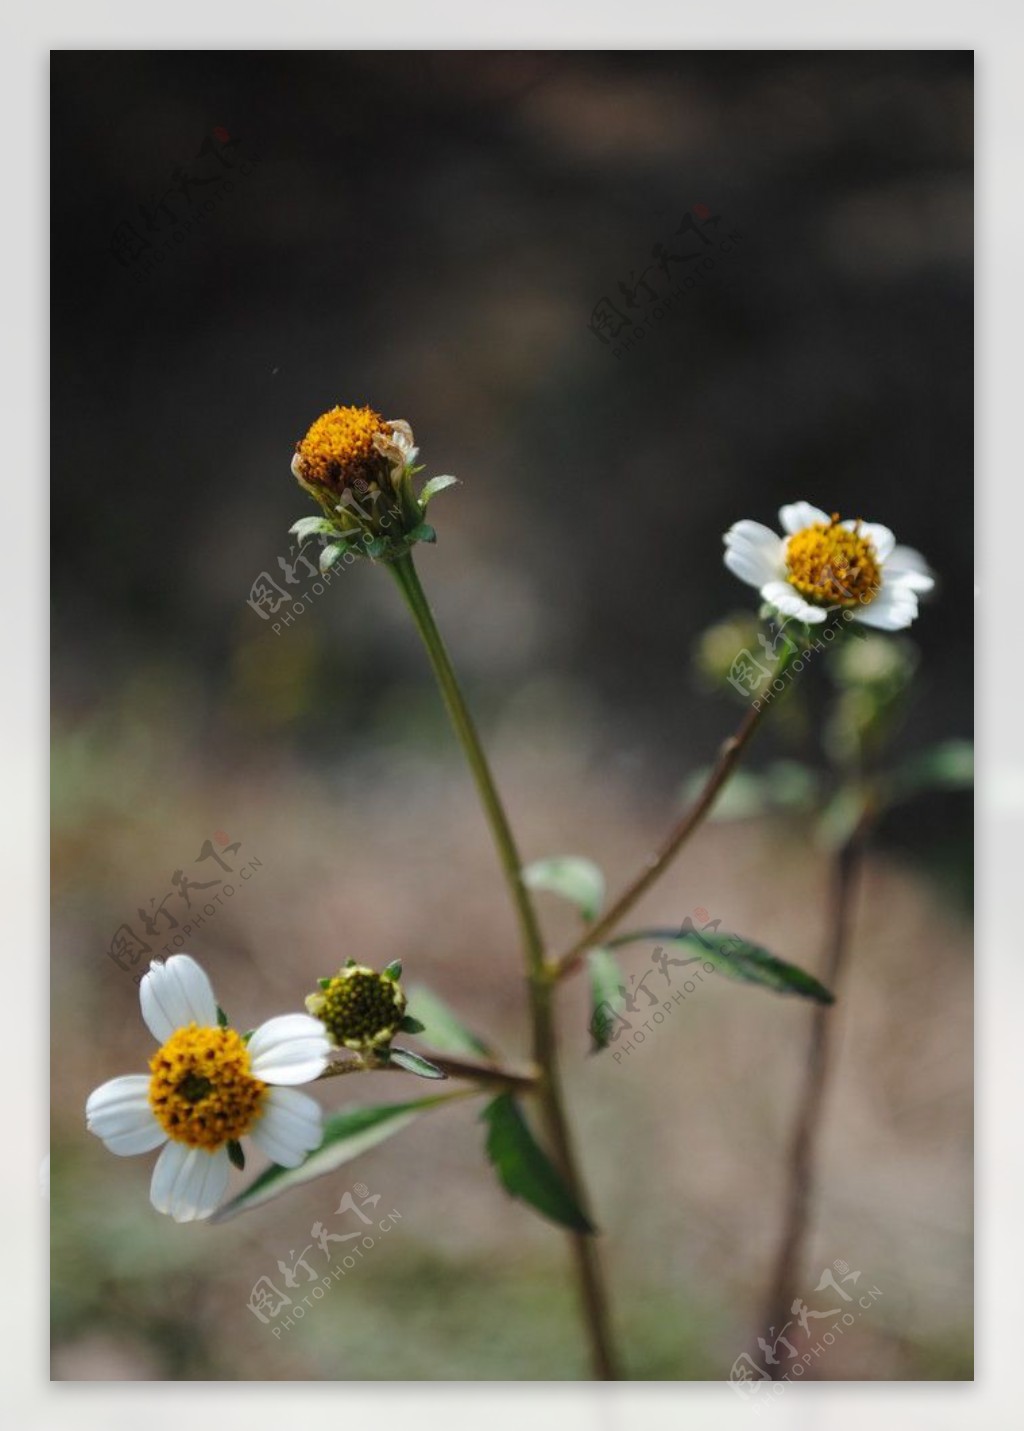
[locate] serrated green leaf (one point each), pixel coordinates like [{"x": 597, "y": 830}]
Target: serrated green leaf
[
  {"x": 435, "y": 485},
  {"x": 410, "y": 1025},
  {"x": 606, "y": 983},
  {"x": 441, "y": 1028},
  {"x": 524, "y": 1169},
  {"x": 415, "y": 1063},
  {"x": 393, "y": 970},
  {"x": 346, "y": 1136},
  {"x": 330, "y": 556},
  {"x": 307, "y": 527},
  {"x": 573, "y": 878},
  {"x": 736, "y": 958}
]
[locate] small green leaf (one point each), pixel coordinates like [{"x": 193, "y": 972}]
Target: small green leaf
[
  {"x": 606, "y": 982},
  {"x": 222, "y": 1018},
  {"x": 524, "y": 1169},
  {"x": 410, "y": 1025},
  {"x": 573, "y": 878},
  {"x": 441, "y": 1028},
  {"x": 236, "y": 1154},
  {"x": 946, "y": 766},
  {"x": 736, "y": 958},
  {"x": 346, "y": 1136},
  {"x": 435, "y": 485},
  {"x": 415, "y": 1063},
  {"x": 393, "y": 971},
  {"x": 324, "y": 983},
  {"x": 307, "y": 527},
  {"x": 330, "y": 556}
]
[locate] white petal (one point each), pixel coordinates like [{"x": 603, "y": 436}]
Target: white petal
[
  {"x": 799, "y": 515},
  {"x": 893, "y": 609},
  {"x": 293, "y": 1048},
  {"x": 291, "y": 1126},
  {"x": 881, "y": 538},
  {"x": 401, "y": 429},
  {"x": 189, "y": 1183},
  {"x": 754, "y": 552},
  {"x": 119, "y": 1113},
  {"x": 909, "y": 567},
  {"x": 789, "y": 601},
  {"x": 176, "y": 994}
]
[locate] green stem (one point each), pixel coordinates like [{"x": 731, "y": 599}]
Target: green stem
[
  {"x": 409, "y": 583},
  {"x": 539, "y": 975}
]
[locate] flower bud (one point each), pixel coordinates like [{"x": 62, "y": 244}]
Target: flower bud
[
  {"x": 360, "y": 1008},
  {"x": 358, "y": 468}
]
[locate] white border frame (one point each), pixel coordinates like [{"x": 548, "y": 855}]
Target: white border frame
[{"x": 995, "y": 31}]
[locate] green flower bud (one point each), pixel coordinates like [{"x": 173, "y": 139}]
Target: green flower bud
[{"x": 360, "y": 1008}]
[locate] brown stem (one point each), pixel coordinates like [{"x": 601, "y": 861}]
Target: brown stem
[
  {"x": 728, "y": 758},
  {"x": 803, "y": 1150}
]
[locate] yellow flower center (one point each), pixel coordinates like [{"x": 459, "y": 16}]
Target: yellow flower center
[
  {"x": 338, "y": 450},
  {"x": 833, "y": 566},
  {"x": 201, "y": 1088}
]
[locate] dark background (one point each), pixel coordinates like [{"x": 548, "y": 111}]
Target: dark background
[{"x": 430, "y": 233}]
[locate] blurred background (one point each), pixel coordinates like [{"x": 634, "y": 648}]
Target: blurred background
[{"x": 476, "y": 242}]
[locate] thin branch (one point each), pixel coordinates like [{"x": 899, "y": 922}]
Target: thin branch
[
  {"x": 487, "y": 1073},
  {"x": 728, "y": 758},
  {"x": 803, "y": 1151}
]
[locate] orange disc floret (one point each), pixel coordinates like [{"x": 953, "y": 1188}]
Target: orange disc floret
[
  {"x": 339, "y": 449},
  {"x": 201, "y": 1089},
  {"x": 831, "y": 565}
]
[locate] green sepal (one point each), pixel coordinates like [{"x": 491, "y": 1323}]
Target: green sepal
[
  {"x": 236, "y": 1155},
  {"x": 325, "y": 983},
  {"x": 410, "y": 1025},
  {"x": 307, "y": 527},
  {"x": 393, "y": 971},
  {"x": 222, "y": 1018},
  {"x": 415, "y": 1063},
  {"x": 435, "y": 485},
  {"x": 423, "y": 533},
  {"x": 330, "y": 556}
]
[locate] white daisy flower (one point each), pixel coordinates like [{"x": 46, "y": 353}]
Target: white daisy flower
[
  {"x": 206, "y": 1088},
  {"x": 823, "y": 564}
]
